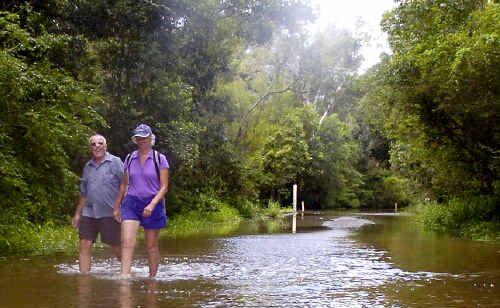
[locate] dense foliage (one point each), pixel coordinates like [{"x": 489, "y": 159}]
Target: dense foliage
[
  {"x": 437, "y": 99},
  {"x": 245, "y": 104},
  {"x": 442, "y": 84},
  {"x": 45, "y": 114}
]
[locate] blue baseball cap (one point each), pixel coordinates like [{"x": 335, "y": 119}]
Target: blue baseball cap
[{"x": 144, "y": 131}]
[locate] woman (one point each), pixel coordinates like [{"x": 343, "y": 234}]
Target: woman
[{"x": 146, "y": 182}]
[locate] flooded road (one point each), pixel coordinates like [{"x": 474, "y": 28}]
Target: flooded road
[{"x": 329, "y": 262}]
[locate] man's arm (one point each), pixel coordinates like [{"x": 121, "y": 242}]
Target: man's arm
[
  {"x": 119, "y": 198},
  {"x": 78, "y": 212},
  {"x": 82, "y": 201}
]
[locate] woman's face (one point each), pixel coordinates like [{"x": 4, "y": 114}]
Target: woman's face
[{"x": 143, "y": 142}]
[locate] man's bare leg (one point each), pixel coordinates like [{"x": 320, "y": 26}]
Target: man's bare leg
[
  {"x": 85, "y": 255},
  {"x": 117, "y": 250}
]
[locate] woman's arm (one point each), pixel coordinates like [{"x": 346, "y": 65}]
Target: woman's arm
[{"x": 160, "y": 195}]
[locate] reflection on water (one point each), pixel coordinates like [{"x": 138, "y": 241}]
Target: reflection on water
[
  {"x": 84, "y": 290},
  {"x": 127, "y": 294},
  {"x": 387, "y": 264}
]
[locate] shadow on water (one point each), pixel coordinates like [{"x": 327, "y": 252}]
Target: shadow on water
[{"x": 346, "y": 262}]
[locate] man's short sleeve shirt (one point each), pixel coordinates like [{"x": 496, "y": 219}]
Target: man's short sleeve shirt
[{"x": 100, "y": 185}]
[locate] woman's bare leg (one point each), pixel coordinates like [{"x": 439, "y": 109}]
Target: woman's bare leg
[
  {"x": 153, "y": 249},
  {"x": 129, "y": 237}
]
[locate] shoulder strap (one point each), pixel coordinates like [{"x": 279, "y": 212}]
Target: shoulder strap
[
  {"x": 128, "y": 161},
  {"x": 156, "y": 157}
]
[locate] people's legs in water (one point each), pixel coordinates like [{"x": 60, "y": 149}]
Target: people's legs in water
[
  {"x": 129, "y": 237},
  {"x": 153, "y": 250},
  {"x": 85, "y": 255}
]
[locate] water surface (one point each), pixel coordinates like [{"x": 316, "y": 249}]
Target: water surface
[{"x": 386, "y": 264}]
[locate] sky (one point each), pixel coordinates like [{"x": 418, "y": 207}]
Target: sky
[{"x": 350, "y": 14}]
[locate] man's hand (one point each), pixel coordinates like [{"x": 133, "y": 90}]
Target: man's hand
[
  {"x": 75, "y": 222},
  {"x": 117, "y": 214}
]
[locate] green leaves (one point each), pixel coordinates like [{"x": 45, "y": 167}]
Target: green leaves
[
  {"x": 45, "y": 117},
  {"x": 442, "y": 87},
  {"x": 286, "y": 152}
]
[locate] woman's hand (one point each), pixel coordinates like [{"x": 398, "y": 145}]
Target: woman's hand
[{"x": 148, "y": 210}]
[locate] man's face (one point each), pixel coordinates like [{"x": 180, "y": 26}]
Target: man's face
[{"x": 98, "y": 147}]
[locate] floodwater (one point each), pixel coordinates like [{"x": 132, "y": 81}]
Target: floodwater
[{"x": 328, "y": 262}]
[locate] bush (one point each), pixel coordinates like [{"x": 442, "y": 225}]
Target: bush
[
  {"x": 212, "y": 217},
  {"x": 382, "y": 189},
  {"x": 273, "y": 209},
  {"x": 477, "y": 217},
  {"x": 20, "y": 236},
  {"x": 247, "y": 208}
]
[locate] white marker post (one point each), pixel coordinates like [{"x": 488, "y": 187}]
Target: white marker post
[
  {"x": 294, "y": 219},
  {"x": 294, "y": 198}
]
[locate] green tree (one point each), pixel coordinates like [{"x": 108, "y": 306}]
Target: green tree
[
  {"x": 45, "y": 117},
  {"x": 334, "y": 180},
  {"x": 443, "y": 82},
  {"x": 285, "y": 155}
]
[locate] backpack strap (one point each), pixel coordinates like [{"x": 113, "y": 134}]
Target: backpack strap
[
  {"x": 156, "y": 157},
  {"x": 128, "y": 160}
]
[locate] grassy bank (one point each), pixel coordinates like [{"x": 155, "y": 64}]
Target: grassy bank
[
  {"x": 223, "y": 220},
  {"x": 475, "y": 218},
  {"x": 19, "y": 236}
]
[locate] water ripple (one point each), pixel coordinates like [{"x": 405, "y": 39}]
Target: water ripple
[{"x": 320, "y": 269}]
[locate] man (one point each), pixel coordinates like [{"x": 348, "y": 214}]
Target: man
[{"x": 99, "y": 188}]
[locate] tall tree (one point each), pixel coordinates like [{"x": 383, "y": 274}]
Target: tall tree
[
  {"x": 45, "y": 116},
  {"x": 444, "y": 90}
]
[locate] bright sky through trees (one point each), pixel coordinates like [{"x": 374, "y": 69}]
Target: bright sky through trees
[{"x": 362, "y": 17}]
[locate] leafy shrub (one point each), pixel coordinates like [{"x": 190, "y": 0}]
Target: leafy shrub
[
  {"x": 273, "y": 209},
  {"x": 381, "y": 189},
  {"x": 247, "y": 208},
  {"x": 476, "y": 217},
  {"x": 211, "y": 217},
  {"x": 20, "y": 236},
  {"x": 45, "y": 115}
]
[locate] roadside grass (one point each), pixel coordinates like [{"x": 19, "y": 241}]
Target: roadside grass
[
  {"x": 23, "y": 237},
  {"x": 222, "y": 221},
  {"x": 18, "y": 236},
  {"x": 475, "y": 218}
]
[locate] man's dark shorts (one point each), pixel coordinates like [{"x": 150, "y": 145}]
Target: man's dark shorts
[{"x": 108, "y": 227}]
